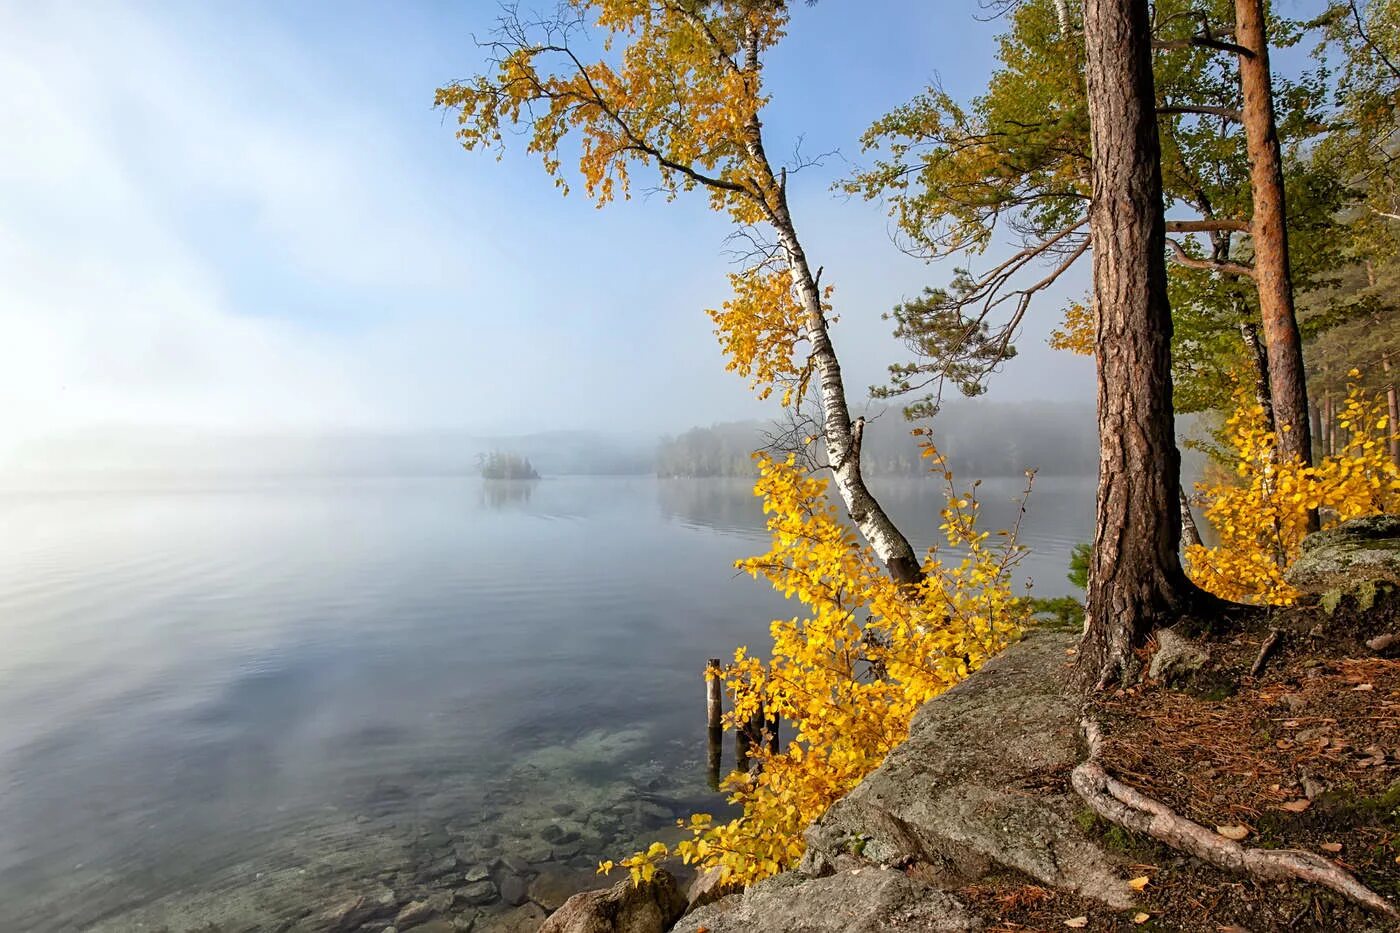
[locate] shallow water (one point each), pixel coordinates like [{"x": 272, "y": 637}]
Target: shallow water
[{"x": 236, "y": 700}]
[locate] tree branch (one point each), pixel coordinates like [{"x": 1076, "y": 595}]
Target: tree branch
[
  {"x": 1191, "y": 262},
  {"x": 1229, "y": 113},
  {"x": 1206, "y": 226}
]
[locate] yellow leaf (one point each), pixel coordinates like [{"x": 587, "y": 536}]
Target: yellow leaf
[
  {"x": 1141, "y": 917},
  {"x": 1137, "y": 884},
  {"x": 1234, "y": 831},
  {"x": 1077, "y": 922},
  {"x": 1296, "y": 806}
]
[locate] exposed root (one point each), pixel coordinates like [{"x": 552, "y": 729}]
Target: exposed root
[{"x": 1118, "y": 803}]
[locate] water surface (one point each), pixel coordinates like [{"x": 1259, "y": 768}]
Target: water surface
[{"x": 233, "y": 700}]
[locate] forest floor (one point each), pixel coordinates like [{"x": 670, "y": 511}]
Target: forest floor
[{"x": 1304, "y": 755}]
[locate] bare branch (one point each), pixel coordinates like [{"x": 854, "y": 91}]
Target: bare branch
[
  {"x": 1184, "y": 258},
  {"x": 1206, "y": 226}
]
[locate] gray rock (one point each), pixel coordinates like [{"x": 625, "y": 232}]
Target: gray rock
[
  {"x": 708, "y": 888},
  {"x": 554, "y": 886},
  {"x": 862, "y": 900},
  {"x": 523, "y": 919},
  {"x": 1177, "y": 657},
  {"x": 563, "y": 808},
  {"x": 346, "y": 915},
  {"x": 477, "y": 893},
  {"x": 969, "y": 791},
  {"x": 417, "y": 913},
  {"x": 1363, "y": 550},
  {"x": 514, "y": 890},
  {"x": 515, "y": 863},
  {"x": 650, "y": 907},
  {"x": 441, "y": 868},
  {"x": 478, "y": 872}
]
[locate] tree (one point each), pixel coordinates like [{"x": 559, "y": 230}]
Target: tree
[
  {"x": 1136, "y": 581},
  {"x": 682, "y": 97},
  {"x": 1269, "y": 237},
  {"x": 1016, "y": 159}
]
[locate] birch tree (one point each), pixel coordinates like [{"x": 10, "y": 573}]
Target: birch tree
[{"x": 677, "y": 94}]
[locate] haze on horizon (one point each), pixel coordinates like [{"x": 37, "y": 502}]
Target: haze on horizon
[{"x": 250, "y": 221}]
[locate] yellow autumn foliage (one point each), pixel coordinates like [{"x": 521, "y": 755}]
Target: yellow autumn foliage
[
  {"x": 1260, "y": 514},
  {"x": 848, "y": 676}
]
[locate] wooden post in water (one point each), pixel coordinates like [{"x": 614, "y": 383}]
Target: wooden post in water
[{"x": 714, "y": 710}]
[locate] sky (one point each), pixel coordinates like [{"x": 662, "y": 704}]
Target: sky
[{"x": 249, "y": 218}]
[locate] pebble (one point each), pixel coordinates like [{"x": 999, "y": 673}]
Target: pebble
[{"x": 477, "y": 872}]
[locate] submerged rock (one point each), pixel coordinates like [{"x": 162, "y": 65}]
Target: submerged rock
[
  {"x": 1363, "y": 550},
  {"x": 523, "y": 919},
  {"x": 650, "y": 907},
  {"x": 513, "y": 890},
  {"x": 857, "y": 901},
  {"x": 477, "y": 893}
]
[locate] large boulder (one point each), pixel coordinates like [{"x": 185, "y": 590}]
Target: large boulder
[
  {"x": 862, "y": 900},
  {"x": 981, "y": 783},
  {"x": 649, "y": 907},
  {"x": 1363, "y": 550}
]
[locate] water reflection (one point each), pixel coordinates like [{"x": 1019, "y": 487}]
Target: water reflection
[{"x": 506, "y": 493}]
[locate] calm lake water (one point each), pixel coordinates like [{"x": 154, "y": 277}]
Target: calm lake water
[{"x": 233, "y": 702}]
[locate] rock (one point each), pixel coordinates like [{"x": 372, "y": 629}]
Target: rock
[
  {"x": 566, "y": 850},
  {"x": 708, "y": 888},
  {"x": 438, "y": 869},
  {"x": 513, "y": 890},
  {"x": 535, "y": 852},
  {"x": 417, "y": 913},
  {"x": 523, "y": 919},
  {"x": 865, "y": 900},
  {"x": 981, "y": 782},
  {"x": 650, "y": 907},
  {"x": 478, "y": 872},
  {"x": 436, "y": 926},
  {"x": 476, "y": 893},
  {"x": 516, "y": 864},
  {"x": 1363, "y": 550},
  {"x": 554, "y": 886},
  {"x": 563, "y": 808},
  {"x": 464, "y": 922},
  {"x": 347, "y": 915},
  {"x": 1177, "y": 657}
]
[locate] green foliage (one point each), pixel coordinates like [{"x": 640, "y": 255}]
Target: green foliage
[
  {"x": 1013, "y": 165},
  {"x": 1079, "y": 564},
  {"x": 948, "y": 346}
]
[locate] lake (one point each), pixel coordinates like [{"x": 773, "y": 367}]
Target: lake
[{"x": 237, "y": 701}]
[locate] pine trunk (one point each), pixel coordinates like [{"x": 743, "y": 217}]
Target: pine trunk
[
  {"x": 1269, "y": 231},
  {"x": 1136, "y": 581}
]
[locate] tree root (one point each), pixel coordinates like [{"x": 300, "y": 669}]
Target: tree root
[{"x": 1116, "y": 802}]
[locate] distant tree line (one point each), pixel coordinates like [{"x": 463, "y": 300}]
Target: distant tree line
[
  {"x": 500, "y": 465},
  {"x": 981, "y": 440}
]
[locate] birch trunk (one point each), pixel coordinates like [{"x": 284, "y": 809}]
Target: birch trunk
[{"x": 841, "y": 434}]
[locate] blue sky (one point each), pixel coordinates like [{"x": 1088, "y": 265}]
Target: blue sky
[{"x": 248, "y": 217}]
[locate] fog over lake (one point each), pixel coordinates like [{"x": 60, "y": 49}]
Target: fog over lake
[{"x": 242, "y": 697}]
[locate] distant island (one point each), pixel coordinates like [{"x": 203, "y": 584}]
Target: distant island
[{"x": 498, "y": 465}]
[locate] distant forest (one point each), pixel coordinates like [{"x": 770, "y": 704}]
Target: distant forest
[{"x": 980, "y": 439}]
